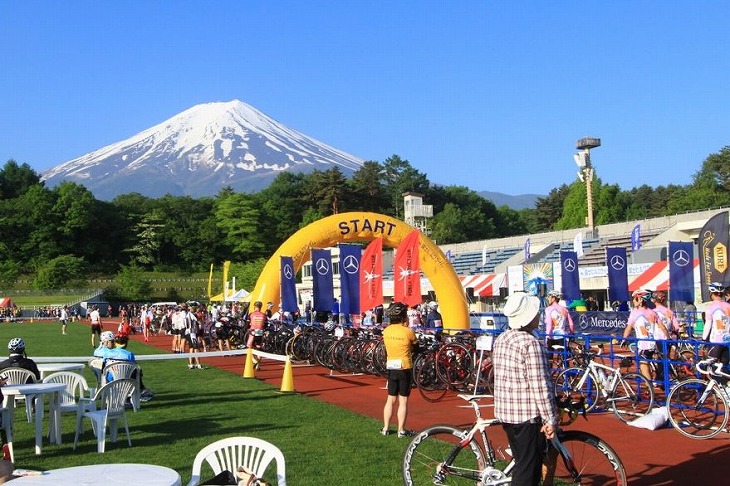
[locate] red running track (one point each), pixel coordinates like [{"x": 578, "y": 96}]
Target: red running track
[{"x": 651, "y": 458}]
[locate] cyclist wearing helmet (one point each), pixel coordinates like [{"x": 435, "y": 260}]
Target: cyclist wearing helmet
[
  {"x": 434, "y": 319},
  {"x": 18, "y": 358},
  {"x": 643, "y": 321},
  {"x": 717, "y": 323},
  {"x": 399, "y": 341},
  {"x": 101, "y": 353},
  {"x": 557, "y": 321}
]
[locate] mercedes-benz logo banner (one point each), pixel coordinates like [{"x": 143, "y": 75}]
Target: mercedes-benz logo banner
[
  {"x": 571, "y": 279},
  {"x": 322, "y": 285},
  {"x": 681, "y": 271},
  {"x": 618, "y": 278},
  {"x": 350, "y": 278}
]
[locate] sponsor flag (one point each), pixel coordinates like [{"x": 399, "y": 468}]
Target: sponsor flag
[
  {"x": 713, "y": 245},
  {"x": 618, "y": 276},
  {"x": 578, "y": 244},
  {"x": 636, "y": 238},
  {"x": 407, "y": 270},
  {"x": 371, "y": 275},
  {"x": 226, "y": 267},
  {"x": 350, "y": 278},
  {"x": 210, "y": 282},
  {"x": 322, "y": 287},
  {"x": 681, "y": 271},
  {"x": 288, "y": 285},
  {"x": 526, "y": 249},
  {"x": 448, "y": 256},
  {"x": 571, "y": 282}
]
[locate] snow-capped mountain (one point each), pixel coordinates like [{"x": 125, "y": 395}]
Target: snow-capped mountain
[{"x": 199, "y": 151}]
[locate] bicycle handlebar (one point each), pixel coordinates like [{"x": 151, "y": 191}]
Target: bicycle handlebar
[{"x": 703, "y": 368}]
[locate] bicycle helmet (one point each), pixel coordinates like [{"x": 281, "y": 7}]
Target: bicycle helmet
[
  {"x": 329, "y": 325},
  {"x": 433, "y": 305},
  {"x": 107, "y": 336},
  {"x": 660, "y": 296},
  {"x": 716, "y": 288},
  {"x": 16, "y": 345},
  {"x": 555, "y": 293},
  {"x": 397, "y": 312}
]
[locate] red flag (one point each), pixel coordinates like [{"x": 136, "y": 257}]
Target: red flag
[
  {"x": 407, "y": 270},
  {"x": 371, "y": 275}
]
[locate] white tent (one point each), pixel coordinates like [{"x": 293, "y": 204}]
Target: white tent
[{"x": 237, "y": 296}]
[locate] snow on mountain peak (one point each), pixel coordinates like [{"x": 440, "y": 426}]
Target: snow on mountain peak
[{"x": 198, "y": 151}]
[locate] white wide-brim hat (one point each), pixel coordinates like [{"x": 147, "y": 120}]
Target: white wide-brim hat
[{"x": 521, "y": 309}]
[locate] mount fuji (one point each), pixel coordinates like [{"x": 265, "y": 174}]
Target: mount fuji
[{"x": 200, "y": 151}]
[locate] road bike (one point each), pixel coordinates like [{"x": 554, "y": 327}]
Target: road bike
[
  {"x": 629, "y": 395},
  {"x": 698, "y": 408},
  {"x": 450, "y": 455}
]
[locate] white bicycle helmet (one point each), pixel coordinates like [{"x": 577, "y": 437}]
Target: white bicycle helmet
[
  {"x": 555, "y": 293},
  {"x": 716, "y": 288},
  {"x": 16, "y": 345},
  {"x": 433, "y": 304},
  {"x": 107, "y": 336}
]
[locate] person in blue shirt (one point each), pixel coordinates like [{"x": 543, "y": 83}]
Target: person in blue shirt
[
  {"x": 121, "y": 353},
  {"x": 101, "y": 353}
]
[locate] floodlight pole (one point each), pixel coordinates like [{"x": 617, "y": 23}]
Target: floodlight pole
[{"x": 586, "y": 169}]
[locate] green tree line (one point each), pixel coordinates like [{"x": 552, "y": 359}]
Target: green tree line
[{"x": 63, "y": 234}]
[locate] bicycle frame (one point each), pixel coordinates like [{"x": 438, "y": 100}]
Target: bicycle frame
[{"x": 495, "y": 476}]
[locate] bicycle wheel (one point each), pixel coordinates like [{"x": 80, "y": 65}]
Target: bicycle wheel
[
  {"x": 424, "y": 458},
  {"x": 566, "y": 385},
  {"x": 631, "y": 397},
  {"x": 431, "y": 388},
  {"x": 696, "y": 410},
  {"x": 595, "y": 461}
]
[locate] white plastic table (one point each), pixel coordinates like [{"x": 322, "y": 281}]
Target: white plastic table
[
  {"x": 106, "y": 474},
  {"x": 40, "y": 390},
  {"x": 48, "y": 368}
]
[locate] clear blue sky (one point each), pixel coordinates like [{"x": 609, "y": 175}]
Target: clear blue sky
[{"x": 488, "y": 95}]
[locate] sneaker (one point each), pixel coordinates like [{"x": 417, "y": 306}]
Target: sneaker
[
  {"x": 200, "y": 367},
  {"x": 384, "y": 432},
  {"x": 191, "y": 366},
  {"x": 405, "y": 433}
]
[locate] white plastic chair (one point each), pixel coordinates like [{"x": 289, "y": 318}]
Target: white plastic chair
[
  {"x": 228, "y": 454},
  {"x": 113, "y": 397},
  {"x": 19, "y": 376},
  {"x": 76, "y": 388},
  {"x": 115, "y": 370}
]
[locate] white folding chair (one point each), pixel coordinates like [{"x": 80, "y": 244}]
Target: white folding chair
[
  {"x": 19, "y": 376},
  {"x": 250, "y": 452},
  {"x": 115, "y": 370},
  {"x": 112, "y": 398}
]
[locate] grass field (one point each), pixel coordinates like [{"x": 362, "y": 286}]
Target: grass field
[{"x": 322, "y": 444}]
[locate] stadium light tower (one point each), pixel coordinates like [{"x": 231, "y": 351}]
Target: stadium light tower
[{"x": 585, "y": 171}]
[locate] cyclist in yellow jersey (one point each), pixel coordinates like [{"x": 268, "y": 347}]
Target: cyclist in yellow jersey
[{"x": 399, "y": 341}]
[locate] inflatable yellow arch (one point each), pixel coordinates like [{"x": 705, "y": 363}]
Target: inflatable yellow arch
[{"x": 363, "y": 226}]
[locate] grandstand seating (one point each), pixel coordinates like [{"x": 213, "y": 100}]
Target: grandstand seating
[{"x": 597, "y": 255}]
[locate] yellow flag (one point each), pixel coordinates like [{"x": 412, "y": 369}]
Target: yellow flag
[
  {"x": 226, "y": 267},
  {"x": 210, "y": 282}
]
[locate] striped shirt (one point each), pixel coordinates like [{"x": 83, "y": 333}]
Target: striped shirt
[{"x": 522, "y": 386}]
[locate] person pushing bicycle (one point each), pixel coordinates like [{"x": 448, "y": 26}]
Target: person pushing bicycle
[{"x": 523, "y": 394}]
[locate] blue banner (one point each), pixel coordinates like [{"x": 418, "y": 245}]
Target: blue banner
[
  {"x": 636, "y": 238},
  {"x": 618, "y": 277},
  {"x": 322, "y": 286},
  {"x": 681, "y": 271},
  {"x": 526, "y": 249},
  {"x": 600, "y": 323},
  {"x": 350, "y": 278},
  {"x": 570, "y": 277},
  {"x": 288, "y": 285}
]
